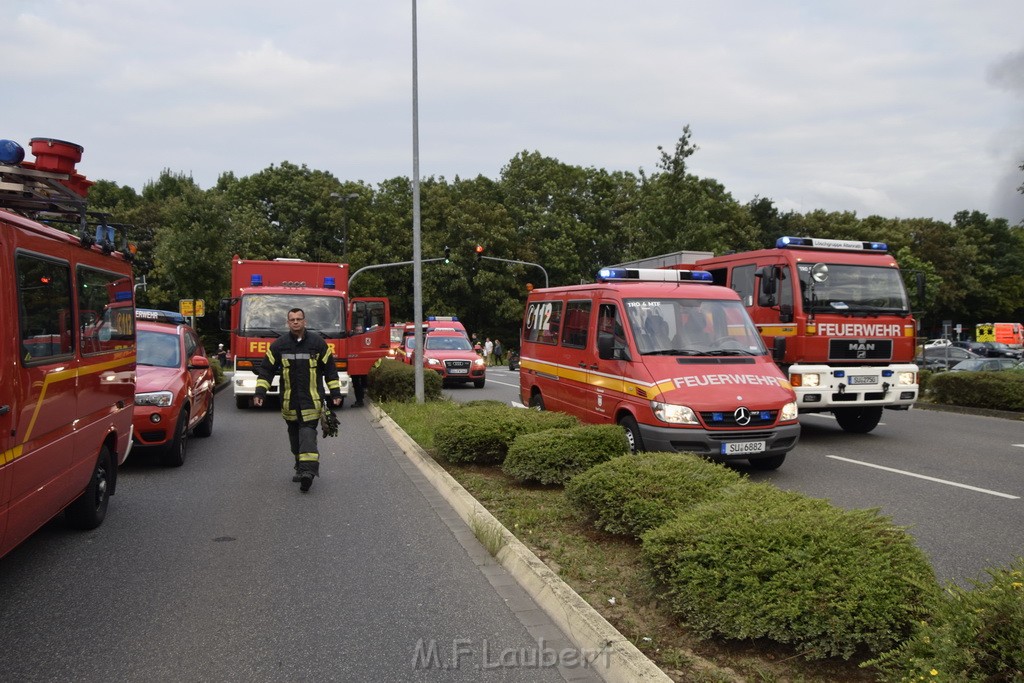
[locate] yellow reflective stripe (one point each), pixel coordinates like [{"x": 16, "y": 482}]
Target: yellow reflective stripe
[
  {"x": 61, "y": 375},
  {"x": 270, "y": 357},
  {"x": 777, "y": 330},
  {"x": 12, "y": 454},
  {"x": 263, "y": 384},
  {"x": 617, "y": 384},
  {"x": 309, "y": 457}
]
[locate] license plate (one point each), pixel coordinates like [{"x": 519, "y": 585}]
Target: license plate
[
  {"x": 458, "y": 371},
  {"x": 863, "y": 379},
  {"x": 742, "y": 447}
]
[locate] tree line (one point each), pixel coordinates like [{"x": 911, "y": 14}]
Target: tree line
[{"x": 571, "y": 220}]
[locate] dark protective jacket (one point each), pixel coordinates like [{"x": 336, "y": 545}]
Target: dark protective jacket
[{"x": 304, "y": 366}]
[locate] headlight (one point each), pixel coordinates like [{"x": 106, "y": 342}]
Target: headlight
[
  {"x": 433, "y": 361},
  {"x": 811, "y": 379},
  {"x": 673, "y": 414},
  {"x": 905, "y": 378},
  {"x": 788, "y": 412},
  {"x": 161, "y": 399},
  {"x": 479, "y": 362}
]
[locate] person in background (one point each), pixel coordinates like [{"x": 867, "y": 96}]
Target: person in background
[
  {"x": 304, "y": 361},
  {"x": 488, "y": 350},
  {"x": 222, "y": 356},
  {"x": 499, "y": 351}
]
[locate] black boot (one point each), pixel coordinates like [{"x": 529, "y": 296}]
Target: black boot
[{"x": 307, "y": 480}]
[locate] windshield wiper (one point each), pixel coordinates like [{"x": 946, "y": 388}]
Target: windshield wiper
[
  {"x": 262, "y": 331},
  {"x": 676, "y": 352},
  {"x": 731, "y": 352}
]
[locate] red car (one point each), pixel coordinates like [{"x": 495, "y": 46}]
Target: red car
[
  {"x": 174, "y": 387},
  {"x": 451, "y": 355}
]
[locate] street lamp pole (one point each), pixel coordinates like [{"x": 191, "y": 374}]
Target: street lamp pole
[{"x": 344, "y": 199}]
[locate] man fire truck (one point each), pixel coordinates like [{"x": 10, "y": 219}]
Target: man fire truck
[
  {"x": 262, "y": 293},
  {"x": 837, "y": 317}
]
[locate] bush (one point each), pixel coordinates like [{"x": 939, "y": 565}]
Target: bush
[
  {"x": 974, "y": 635},
  {"x": 556, "y": 455},
  {"x": 392, "y": 380},
  {"x": 995, "y": 390},
  {"x": 632, "y": 495},
  {"x": 482, "y": 434},
  {"x": 761, "y": 562}
]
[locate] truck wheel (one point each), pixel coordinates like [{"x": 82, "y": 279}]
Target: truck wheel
[
  {"x": 174, "y": 455},
  {"x": 537, "y": 401},
  {"x": 636, "y": 442},
  {"x": 772, "y": 462},
  {"x": 205, "y": 428},
  {"x": 479, "y": 383},
  {"x": 88, "y": 510},
  {"x": 860, "y": 420},
  {"x": 242, "y": 402}
]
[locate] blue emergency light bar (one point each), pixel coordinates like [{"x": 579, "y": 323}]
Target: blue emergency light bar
[
  {"x": 329, "y": 282},
  {"x": 652, "y": 275},
  {"x": 823, "y": 243},
  {"x": 256, "y": 280},
  {"x": 158, "y": 316},
  {"x": 123, "y": 296},
  {"x": 443, "y": 318}
]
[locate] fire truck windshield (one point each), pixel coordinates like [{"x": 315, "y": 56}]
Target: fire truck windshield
[
  {"x": 267, "y": 314},
  {"x": 852, "y": 289}
]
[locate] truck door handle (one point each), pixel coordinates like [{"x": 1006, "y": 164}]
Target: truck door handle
[
  {"x": 583, "y": 365},
  {"x": 594, "y": 366}
]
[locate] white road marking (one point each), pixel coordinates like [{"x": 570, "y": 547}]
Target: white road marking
[
  {"x": 927, "y": 478},
  {"x": 1018, "y": 445}
]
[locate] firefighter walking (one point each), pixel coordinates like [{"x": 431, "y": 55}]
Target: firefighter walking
[{"x": 304, "y": 361}]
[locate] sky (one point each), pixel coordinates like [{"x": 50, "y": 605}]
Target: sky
[{"x": 896, "y": 108}]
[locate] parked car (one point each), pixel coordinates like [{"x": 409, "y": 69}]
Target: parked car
[
  {"x": 937, "y": 343},
  {"x": 990, "y": 349},
  {"x": 984, "y": 365},
  {"x": 943, "y": 357},
  {"x": 174, "y": 388}
]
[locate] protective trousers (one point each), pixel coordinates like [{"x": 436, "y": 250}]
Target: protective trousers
[{"x": 302, "y": 438}]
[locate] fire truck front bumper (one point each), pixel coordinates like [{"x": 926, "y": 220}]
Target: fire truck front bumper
[{"x": 824, "y": 387}]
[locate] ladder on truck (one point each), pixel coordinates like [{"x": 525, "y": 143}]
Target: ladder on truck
[{"x": 43, "y": 197}]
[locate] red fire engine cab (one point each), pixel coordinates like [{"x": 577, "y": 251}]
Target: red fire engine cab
[
  {"x": 837, "y": 316},
  {"x": 358, "y": 331}
]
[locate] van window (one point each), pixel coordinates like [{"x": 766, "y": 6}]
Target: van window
[
  {"x": 577, "y": 322},
  {"x": 543, "y": 319},
  {"x": 743, "y": 283},
  {"x": 692, "y": 327},
  {"x": 106, "y": 311},
  {"x": 44, "y": 307}
]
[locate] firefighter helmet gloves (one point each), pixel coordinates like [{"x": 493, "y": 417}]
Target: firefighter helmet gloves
[{"x": 328, "y": 422}]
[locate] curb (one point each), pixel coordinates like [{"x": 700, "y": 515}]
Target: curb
[
  {"x": 583, "y": 625},
  {"x": 965, "y": 410}
]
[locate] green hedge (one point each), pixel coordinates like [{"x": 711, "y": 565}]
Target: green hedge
[
  {"x": 392, "y": 380},
  {"x": 995, "y": 390},
  {"x": 765, "y": 563},
  {"x": 974, "y": 635},
  {"x": 556, "y": 455},
  {"x": 482, "y": 434},
  {"x": 632, "y": 495}
]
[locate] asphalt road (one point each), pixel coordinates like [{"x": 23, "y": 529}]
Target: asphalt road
[
  {"x": 222, "y": 570},
  {"x": 956, "y": 480}
]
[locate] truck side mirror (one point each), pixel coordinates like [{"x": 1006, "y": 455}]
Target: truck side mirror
[
  {"x": 224, "y": 315},
  {"x": 779, "y": 349},
  {"x": 769, "y": 285}
]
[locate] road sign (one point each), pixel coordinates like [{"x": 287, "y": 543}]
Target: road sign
[{"x": 192, "y": 307}]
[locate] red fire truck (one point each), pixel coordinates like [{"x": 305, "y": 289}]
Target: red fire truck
[
  {"x": 837, "y": 317},
  {"x": 67, "y": 346},
  {"x": 262, "y": 292}
]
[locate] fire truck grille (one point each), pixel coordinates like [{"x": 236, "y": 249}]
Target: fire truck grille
[
  {"x": 860, "y": 349},
  {"x": 758, "y": 418}
]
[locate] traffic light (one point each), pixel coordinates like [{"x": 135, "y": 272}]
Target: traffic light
[
  {"x": 447, "y": 255},
  {"x": 479, "y": 253}
]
